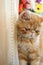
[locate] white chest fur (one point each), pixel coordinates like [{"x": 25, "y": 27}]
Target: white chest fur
[
  {"x": 37, "y": 42},
  {"x": 29, "y": 47}
]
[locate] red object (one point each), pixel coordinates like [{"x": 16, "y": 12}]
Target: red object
[
  {"x": 23, "y": 1},
  {"x": 20, "y": 7},
  {"x": 23, "y": 5}
]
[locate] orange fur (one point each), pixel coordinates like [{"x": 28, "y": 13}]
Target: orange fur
[{"x": 28, "y": 37}]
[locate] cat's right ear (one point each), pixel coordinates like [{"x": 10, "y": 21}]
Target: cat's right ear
[{"x": 25, "y": 16}]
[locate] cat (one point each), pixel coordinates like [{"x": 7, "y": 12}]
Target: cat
[{"x": 28, "y": 38}]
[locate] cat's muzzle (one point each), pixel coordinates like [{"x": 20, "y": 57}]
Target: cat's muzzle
[{"x": 30, "y": 36}]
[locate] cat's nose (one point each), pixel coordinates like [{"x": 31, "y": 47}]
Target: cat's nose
[{"x": 31, "y": 35}]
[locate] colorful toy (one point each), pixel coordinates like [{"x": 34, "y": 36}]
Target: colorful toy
[
  {"x": 23, "y": 1},
  {"x": 38, "y": 1},
  {"x": 24, "y": 4},
  {"x": 38, "y": 8},
  {"x": 35, "y": 6}
]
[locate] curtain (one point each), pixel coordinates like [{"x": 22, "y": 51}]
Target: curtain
[
  {"x": 8, "y": 18},
  {"x": 2, "y": 34},
  {"x": 11, "y": 8}
]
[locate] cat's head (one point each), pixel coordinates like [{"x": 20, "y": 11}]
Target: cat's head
[{"x": 29, "y": 25}]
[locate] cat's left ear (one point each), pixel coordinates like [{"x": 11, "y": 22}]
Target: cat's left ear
[
  {"x": 41, "y": 19},
  {"x": 41, "y": 23}
]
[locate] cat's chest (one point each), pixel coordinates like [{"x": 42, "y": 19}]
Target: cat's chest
[{"x": 29, "y": 47}]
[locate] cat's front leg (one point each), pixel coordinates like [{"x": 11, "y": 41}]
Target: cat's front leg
[
  {"x": 22, "y": 59},
  {"x": 34, "y": 58},
  {"x": 23, "y": 62},
  {"x": 36, "y": 62}
]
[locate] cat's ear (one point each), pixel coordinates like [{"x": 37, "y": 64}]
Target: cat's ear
[
  {"x": 25, "y": 16},
  {"x": 41, "y": 19},
  {"x": 41, "y": 23}
]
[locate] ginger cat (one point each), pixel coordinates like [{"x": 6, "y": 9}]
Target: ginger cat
[{"x": 28, "y": 38}]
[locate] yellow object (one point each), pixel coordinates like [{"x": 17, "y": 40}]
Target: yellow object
[{"x": 39, "y": 8}]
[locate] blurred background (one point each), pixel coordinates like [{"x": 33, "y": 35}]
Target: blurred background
[{"x": 8, "y": 17}]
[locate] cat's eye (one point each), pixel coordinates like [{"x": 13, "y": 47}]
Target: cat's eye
[
  {"x": 27, "y": 29},
  {"x": 37, "y": 31}
]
